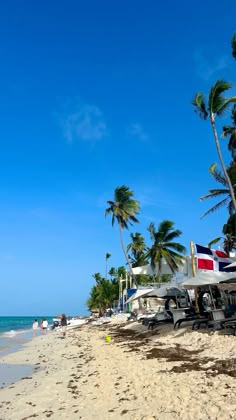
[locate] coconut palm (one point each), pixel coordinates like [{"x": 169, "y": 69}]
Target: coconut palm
[
  {"x": 230, "y": 131},
  {"x": 216, "y": 105},
  {"x": 124, "y": 210},
  {"x": 233, "y": 44},
  {"x": 229, "y": 230},
  {"x": 137, "y": 248},
  {"x": 164, "y": 248},
  {"x": 221, "y": 192},
  {"x": 103, "y": 294}
]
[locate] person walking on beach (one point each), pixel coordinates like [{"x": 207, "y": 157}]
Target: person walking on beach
[
  {"x": 44, "y": 326},
  {"x": 63, "y": 325},
  {"x": 35, "y": 326}
]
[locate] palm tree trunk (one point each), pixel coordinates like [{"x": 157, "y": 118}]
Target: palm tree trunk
[
  {"x": 126, "y": 255},
  {"x": 222, "y": 162}
]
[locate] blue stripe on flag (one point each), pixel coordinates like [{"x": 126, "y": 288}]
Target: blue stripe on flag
[{"x": 203, "y": 250}]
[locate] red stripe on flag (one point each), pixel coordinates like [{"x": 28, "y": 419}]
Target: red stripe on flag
[
  {"x": 204, "y": 264},
  {"x": 221, "y": 254}
]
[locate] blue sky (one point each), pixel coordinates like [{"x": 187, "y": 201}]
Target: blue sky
[{"x": 94, "y": 95}]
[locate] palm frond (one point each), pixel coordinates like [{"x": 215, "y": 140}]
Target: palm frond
[
  {"x": 218, "y": 175},
  {"x": 200, "y": 105},
  {"x": 216, "y": 102},
  {"x": 223, "y": 105},
  {"x": 233, "y": 45},
  {"x": 216, "y": 207},
  {"x": 214, "y": 194},
  {"x": 214, "y": 241}
]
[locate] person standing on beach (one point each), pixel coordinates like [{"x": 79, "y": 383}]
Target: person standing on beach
[
  {"x": 44, "y": 326},
  {"x": 35, "y": 326},
  {"x": 63, "y": 325}
]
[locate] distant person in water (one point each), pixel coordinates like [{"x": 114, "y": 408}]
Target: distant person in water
[
  {"x": 63, "y": 325},
  {"x": 35, "y": 326}
]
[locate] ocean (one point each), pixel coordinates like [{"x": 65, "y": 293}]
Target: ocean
[{"x": 15, "y": 331}]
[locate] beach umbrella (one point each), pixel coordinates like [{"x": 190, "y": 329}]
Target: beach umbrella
[
  {"x": 165, "y": 291},
  {"x": 140, "y": 293},
  {"x": 205, "y": 278}
]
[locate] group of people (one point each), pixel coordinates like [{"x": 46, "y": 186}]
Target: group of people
[{"x": 44, "y": 325}]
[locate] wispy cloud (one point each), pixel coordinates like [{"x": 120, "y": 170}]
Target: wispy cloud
[
  {"x": 85, "y": 123},
  {"x": 206, "y": 68},
  {"x": 136, "y": 130}
]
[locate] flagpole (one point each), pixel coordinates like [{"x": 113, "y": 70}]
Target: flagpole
[{"x": 194, "y": 273}]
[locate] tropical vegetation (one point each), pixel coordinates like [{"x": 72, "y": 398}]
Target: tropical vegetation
[
  {"x": 124, "y": 210},
  {"x": 164, "y": 245}
]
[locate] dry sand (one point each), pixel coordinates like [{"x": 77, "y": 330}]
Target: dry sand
[{"x": 161, "y": 374}]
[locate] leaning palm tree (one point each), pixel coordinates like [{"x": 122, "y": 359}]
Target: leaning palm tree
[
  {"x": 230, "y": 131},
  {"x": 164, "y": 247},
  {"x": 221, "y": 192},
  {"x": 124, "y": 210},
  {"x": 216, "y": 105}
]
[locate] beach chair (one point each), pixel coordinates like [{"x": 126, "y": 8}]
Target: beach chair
[{"x": 230, "y": 328}]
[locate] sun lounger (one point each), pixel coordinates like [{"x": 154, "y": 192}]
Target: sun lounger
[
  {"x": 155, "y": 322},
  {"x": 184, "y": 320},
  {"x": 230, "y": 327},
  {"x": 198, "y": 322}
]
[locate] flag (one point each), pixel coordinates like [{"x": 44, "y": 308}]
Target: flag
[{"x": 209, "y": 259}]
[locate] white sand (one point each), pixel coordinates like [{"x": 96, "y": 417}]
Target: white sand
[{"x": 82, "y": 377}]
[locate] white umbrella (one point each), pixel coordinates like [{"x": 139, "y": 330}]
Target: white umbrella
[
  {"x": 138, "y": 294},
  {"x": 208, "y": 278},
  {"x": 164, "y": 291}
]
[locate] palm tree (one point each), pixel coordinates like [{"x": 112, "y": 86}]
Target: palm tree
[
  {"x": 216, "y": 106},
  {"x": 230, "y": 131},
  {"x": 123, "y": 210},
  {"x": 233, "y": 44},
  {"x": 164, "y": 247},
  {"x": 103, "y": 294},
  {"x": 221, "y": 192},
  {"x": 137, "y": 248},
  {"x": 107, "y": 257}
]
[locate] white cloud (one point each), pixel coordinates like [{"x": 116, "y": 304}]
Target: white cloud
[
  {"x": 137, "y": 131},
  {"x": 205, "y": 68},
  {"x": 84, "y": 123}
]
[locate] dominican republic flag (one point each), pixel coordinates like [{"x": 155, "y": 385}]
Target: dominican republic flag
[{"x": 209, "y": 259}]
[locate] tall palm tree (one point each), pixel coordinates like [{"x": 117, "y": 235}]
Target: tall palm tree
[
  {"x": 107, "y": 257},
  {"x": 221, "y": 192},
  {"x": 137, "y": 248},
  {"x": 164, "y": 247},
  {"x": 216, "y": 106},
  {"x": 233, "y": 45},
  {"x": 230, "y": 131},
  {"x": 124, "y": 210}
]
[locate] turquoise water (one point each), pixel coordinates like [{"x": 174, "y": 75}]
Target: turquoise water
[
  {"x": 17, "y": 324},
  {"x": 15, "y": 331}
]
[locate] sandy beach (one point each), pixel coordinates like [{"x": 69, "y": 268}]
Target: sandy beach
[{"x": 161, "y": 374}]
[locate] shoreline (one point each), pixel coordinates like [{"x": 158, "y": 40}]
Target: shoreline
[{"x": 161, "y": 374}]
